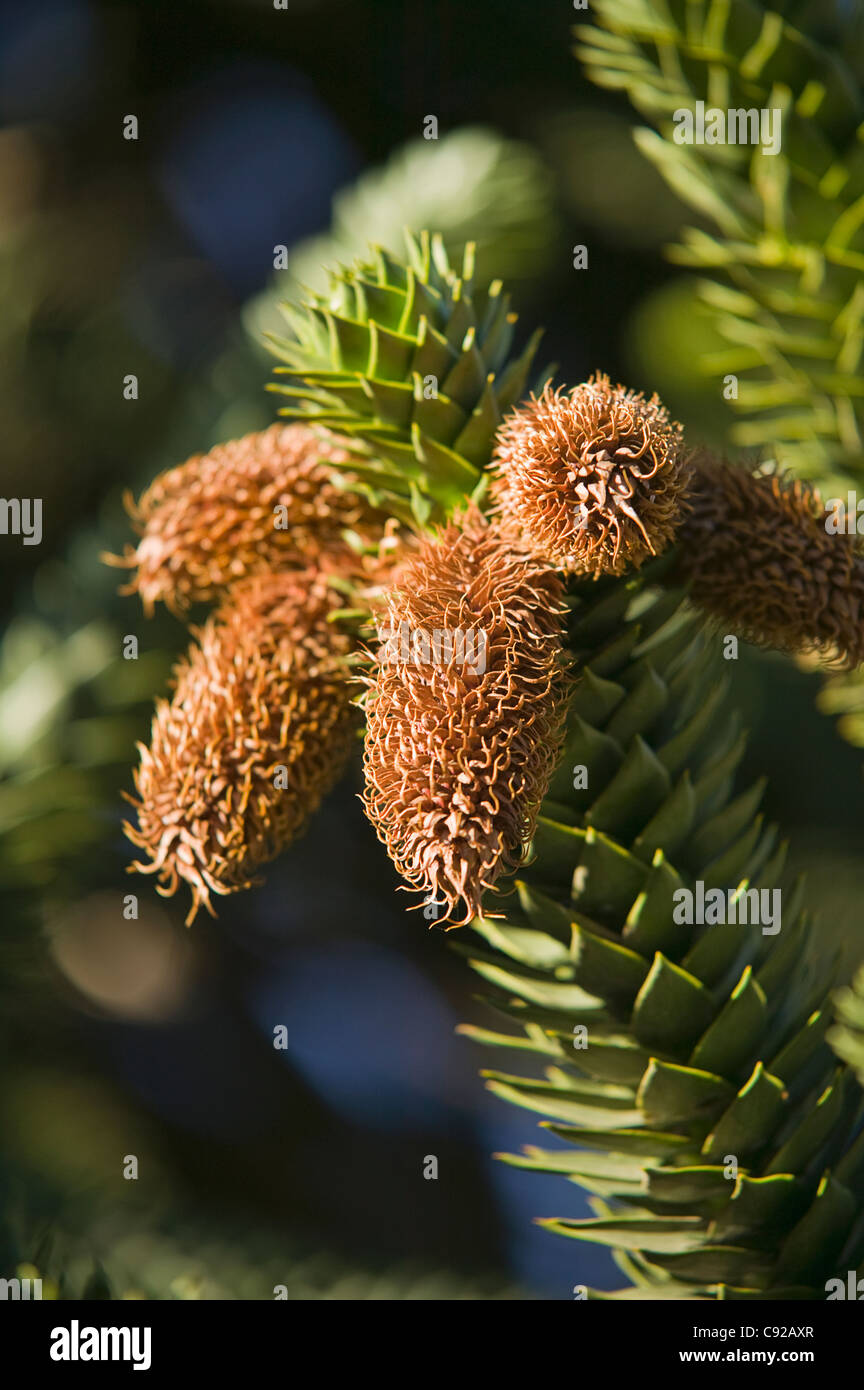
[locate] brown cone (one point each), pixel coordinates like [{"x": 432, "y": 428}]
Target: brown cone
[
  {"x": 594, "y": 476},
  {"x": 458, "y": 759},
  {"x": 263, "y": 688},
  {"x": 213, "y": 520},
  {"x": 758, "y": 557}
]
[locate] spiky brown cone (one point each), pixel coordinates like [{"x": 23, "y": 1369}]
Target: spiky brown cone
[
  {"x": 593, "y": 475},
  {"x": 758, "y": 557},
  {"x": 250, "y": 505},
  {"x": 458, "y": 758},
  {"x": 259, "y": 727}
]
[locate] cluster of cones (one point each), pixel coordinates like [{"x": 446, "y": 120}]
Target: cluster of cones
[
  {"x": 458, "y": 756},
  {"x": 261, "y": 722}
]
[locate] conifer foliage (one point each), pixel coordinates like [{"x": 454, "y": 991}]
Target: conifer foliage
[{"x": 682, "y": 1066}]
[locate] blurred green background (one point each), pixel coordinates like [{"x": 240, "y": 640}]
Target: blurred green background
[{"x": 154, "y": 257}]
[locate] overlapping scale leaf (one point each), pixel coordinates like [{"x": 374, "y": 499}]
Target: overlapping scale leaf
[
  {"x": 411, "y": 364},
  {"x": 847, "y": 1035},
  {"x": 684, "y": 1067}
]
